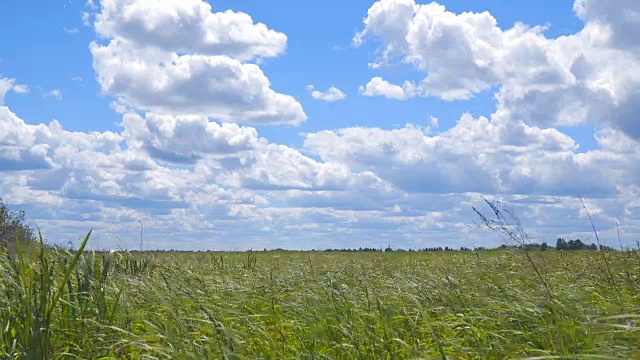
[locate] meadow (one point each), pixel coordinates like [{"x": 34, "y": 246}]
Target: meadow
[{"x": 497, "y": 304}]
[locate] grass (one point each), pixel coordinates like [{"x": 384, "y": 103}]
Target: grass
[{"x": 56, "y": 304}]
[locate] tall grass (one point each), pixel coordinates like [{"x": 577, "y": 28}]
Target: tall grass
[{"x": 58, "y": 304}]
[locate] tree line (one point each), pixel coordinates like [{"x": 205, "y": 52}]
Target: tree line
[
  {"x": 13, "y": 228},
  {"x": 561, "y": 244}
]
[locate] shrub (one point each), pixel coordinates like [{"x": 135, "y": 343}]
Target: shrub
[{"x": 13, "y": 228}]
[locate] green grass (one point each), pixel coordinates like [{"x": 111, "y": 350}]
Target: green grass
[{"x": 281, "y": 305}]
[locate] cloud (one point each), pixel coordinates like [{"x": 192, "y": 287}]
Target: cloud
[
  {"x": 71, "y": 30},
  {"x": 115, "y": 179},
  {"x": 588, "y": 78},
  {"x": 90, "y": 167},
  {"x": 462, "y": 54},
  {"x": 332, "y": 94},
  {"x": 192, "y": 178},
  {"x": 380, "y": 87},
  {"x": 199, "y": 70},
  {"x": 619, "y": 19},
  {"x": 55, "y": 94},
  {"x": 484, "y": 156},
  {"x": 7, "y": 85},
  {"x": 188, "y": 27},
  {"x": 434, "y": 121},
  {"x": 21, "y": 89},
  {"x": 185, "y": 139},
  {"x": 179, "y": 161},
  {"x": 279, "y": 167}
]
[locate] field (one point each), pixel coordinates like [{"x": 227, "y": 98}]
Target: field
[{"x": 282, "y": 305}]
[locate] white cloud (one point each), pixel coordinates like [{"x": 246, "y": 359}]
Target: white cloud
[
  {"x": 619, "y": 19},
  {"x": 113, "y": 179},
  {"x": 90, "y": 167},
  {"x": 71, "y": 30},
  {"x": 434, "y": 121},
  {"x": 7, "y": 84},
  {"x": 195, "y": 179},
  {"x": 191, "y": 178},
  {"x": 188, "y": 26},
  {"x": 585, "y": 78},
  {"x": 465, "y": 44},
  {"x": 332, "y": 94},
  {"x": 91, "y": 4},
  {"x": 482, "y": 155},
  {"x": 180, "y": 58},
  {"x": 380, "y": 87},
  {"x": 86, "y": 18},
  {"x": 185, "y": 139},
  {"x": 55, "y": 94},
  {"x": 21, "y": 89},
  {"x": 279, "y": 167}
]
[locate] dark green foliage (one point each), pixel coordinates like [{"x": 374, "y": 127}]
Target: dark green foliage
[
  {"x": 562, "y": 244},
  {"x": 13, "y": 228}
]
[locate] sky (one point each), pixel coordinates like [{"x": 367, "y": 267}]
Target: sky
[{"x": 250, "y": 124}]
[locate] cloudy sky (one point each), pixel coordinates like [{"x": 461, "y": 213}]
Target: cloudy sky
[{"x": 253, "y": 124}]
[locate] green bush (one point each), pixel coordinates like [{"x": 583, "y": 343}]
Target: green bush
[{"x": 13, "y": 228}]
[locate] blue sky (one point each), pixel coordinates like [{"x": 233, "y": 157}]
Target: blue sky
[{"x": 437, "y": 105}]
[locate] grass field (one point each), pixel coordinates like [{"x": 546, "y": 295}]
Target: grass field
[{"x": 284, "y": 305}]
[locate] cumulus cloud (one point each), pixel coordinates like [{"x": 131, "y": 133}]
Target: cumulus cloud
[
  {"x": 21, "y": 89},
  {"x": 332, "y": 94},
  {"x": 380, "y": 87},
  {"x": 7, "y": 84},
  {"x": 484, "y": 156},
  {"x": 188, "y": 26},
  {"x": 214, "y": 184},
  {"x": 190, "y": 176},
  {"x": 180, "y": 58},
  {"x": 185, "y": 139},
  {"x": 620, "y": 20},
  {"x": 114, "y": 168},
  {"x": 465, "y": 44},
  {"x": 182, "y": 175},
  {"x": 54, "y": 94},
  {"x": 585, "y": 78}
]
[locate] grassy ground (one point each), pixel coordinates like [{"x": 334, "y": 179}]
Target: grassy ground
[{"x": 486, "y": 305}]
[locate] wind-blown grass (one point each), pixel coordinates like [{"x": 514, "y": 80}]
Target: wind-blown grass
[{"x": 56, "y": 304}]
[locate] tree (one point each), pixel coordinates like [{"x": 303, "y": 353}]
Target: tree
[{"x": 13, "y": 228}]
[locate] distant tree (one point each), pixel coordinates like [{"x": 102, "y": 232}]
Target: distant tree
[
  {"x": 544, "y": 246},
  {"x": 13, "y": 228},
  {"x": 575, "y": 244}
]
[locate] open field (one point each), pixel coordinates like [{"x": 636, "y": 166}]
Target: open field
[{"x": 278, "y": 305}]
